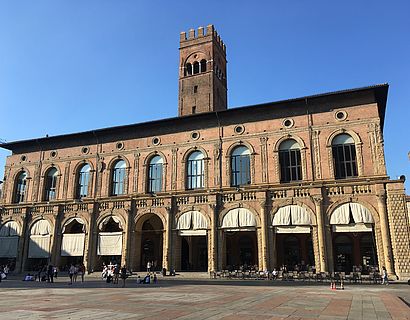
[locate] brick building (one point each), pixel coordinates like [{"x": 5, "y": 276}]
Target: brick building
[{"x": 300, "y": 182}]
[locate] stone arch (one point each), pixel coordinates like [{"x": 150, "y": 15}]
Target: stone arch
[
  {"x": 146, "y": 163},
  {"x": 193, "y": 149},
  {"x": 358, "y": 147},
  {"x": 19, "y": 225},
  {"x": 200, "y": 55},
  {"x": 35, "y": 220},
  {"x": 352, "y": 133},
  {"x": 114, "y": 160},
  {"x": 282, "y": 204},
  {"x": 117, "y": 213},
  {"x": 181, "y": 213},
  {"x": 83, "y": 217},
  {"x": 79, "y": 164},
  {"x": 49, "y": 167},
  {"x": 298, "y": 139},
  {"x": 231, "y": 207},
  {"x": 144, "y": 215},
  {"x": 238, "y": 144},
  {"x": 330, "y": 210},
  {"x": 303, "y": 157},
  {"x": 228, "y": 154},
  {"x": 20, "y": 170},
  {"x": 153, "y": 154}
]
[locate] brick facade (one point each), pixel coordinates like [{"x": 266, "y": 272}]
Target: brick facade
[{"x": 313, "y": 122}]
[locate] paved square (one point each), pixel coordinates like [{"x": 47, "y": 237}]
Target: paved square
[{"x": 200, "y": 299}]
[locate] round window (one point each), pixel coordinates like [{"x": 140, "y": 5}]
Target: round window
[
  {"x": 239, "y": 129},
  {"x": 23, "y": 158},
  {"x": 341, "y": 115},
  {"x": 53, "y": 154},
  {"x": 85, "y": 150},
  {"x": 156, "y": 141},
  {"x": 119, "y": 145},
  {"x": 288, "y": 123},
  {"x": 195, "y": 135}
]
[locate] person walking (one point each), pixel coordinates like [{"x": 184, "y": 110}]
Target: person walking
[
  {"x": 71, "y": 273},
  {"x": 82, "y": 271},
  {"x": 385, "y": 278},
  {"x": 123, "y": 275},
  {"x": 149, "y": 266},
  {"x": 50, "y": 273}
]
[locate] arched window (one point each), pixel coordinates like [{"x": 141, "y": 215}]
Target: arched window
[
  {"x": 203, "y": 65},
  {"x": 196, "y": 67},
  {"x": 195, "y": 170},
  {"x": 50, "y": 184},
  {"x": 83, "y": 181},
  {"x": 155, "y": 174},
  {"x": 188, "y": 69},
  {"x": 344, "y": 156},
  {"x": 289, "y": 160},
  {"x": 240, "y": 166},
  {"x": 118, "y": 178},
  {"x": 20, "y": 188}
]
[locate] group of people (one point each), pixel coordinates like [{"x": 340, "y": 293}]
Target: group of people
[
  {"x": 112, "y": 272},
  {"x": 45, "y": 273},
  {"x": 76, "y": 270},
  {"x": 4, "y": 272}
]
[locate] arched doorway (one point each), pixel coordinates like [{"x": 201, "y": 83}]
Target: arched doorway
[
  {"x": 72, "y": 242},
  {"x": 151, "y": 242},
  {"x": 241, "y": 248},
  {"x": 353, "y": 238},
  {"x": 39, "y": 247},
  {"x": 110, "y": 238},
  {"x": 192, "y": 230},
  {"x": 9, "y": 240},
  {"x": 294, "y": 246}
]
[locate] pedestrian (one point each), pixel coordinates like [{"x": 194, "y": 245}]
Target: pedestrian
[
  {"x": 385, "y": 278},
  {"x": 82, "y": 271},
  {"x": 55, "y": 271},
  {"x": 116, "y": 274},
  {"x": 155, "y": 278},
  {"x": 50, "y": 273},
  {"x": 75, "y": 273},
  {"x": 71, "y": 273},
  {"x": 123, "y": 275},
  {"x": 6, "y": 270},
  {"x": 149, "y": 266}
]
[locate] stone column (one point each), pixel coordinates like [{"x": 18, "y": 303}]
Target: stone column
[
  {"x": 264, "y": 246},
  {"x": 167, "y": 253},
  {"x": 213, "y": 239},
  {"x": 384, "y": 227},
  {"x": 56, "y": 239},
  {"x": 221, "y": 249},
  {"x": 24, "y": 238},
  {"x": 321, "y": 233}
]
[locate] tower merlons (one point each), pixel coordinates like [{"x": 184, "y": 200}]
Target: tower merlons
[{"x": 202, "y": 72}]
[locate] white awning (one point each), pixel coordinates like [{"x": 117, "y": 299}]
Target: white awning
[
  {"x": 360, "y": 214},
  {"x": 356, "y": 227},
  {"x": 192, "y": 233},
  {"x": 239, "y": 217},
  {"x": 193, "y": 220},
  {"x": 107, "y": 219},
  {"x": 41, "y": 228},
  {"x": 109, "y": 244},
  {"x": 8, "y": 247},
  {"x": 292, "y": 229},
  {"x": 10, "y": 229},
  {"x": 39, "y": 246},
  {"x": 291, "y": 215},
  {"x": 79, "y": 220},
  {"x": 72, "y": 245}
]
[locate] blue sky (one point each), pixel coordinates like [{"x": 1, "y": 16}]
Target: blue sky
[{"x": 69, "y": 66}]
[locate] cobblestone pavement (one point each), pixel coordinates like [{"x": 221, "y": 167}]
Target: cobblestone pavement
[{"x": 200, "y": 299}]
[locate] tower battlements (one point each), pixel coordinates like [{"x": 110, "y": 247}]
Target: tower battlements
[{"x": 185, "y": 38}]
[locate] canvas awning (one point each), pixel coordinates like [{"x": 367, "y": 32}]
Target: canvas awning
[
  {"x": 360, "y": 214},
  {"x": 238, "y": 218},
  {"x": 292, "y": 215},
  {"x": 109, "y": 244}
]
